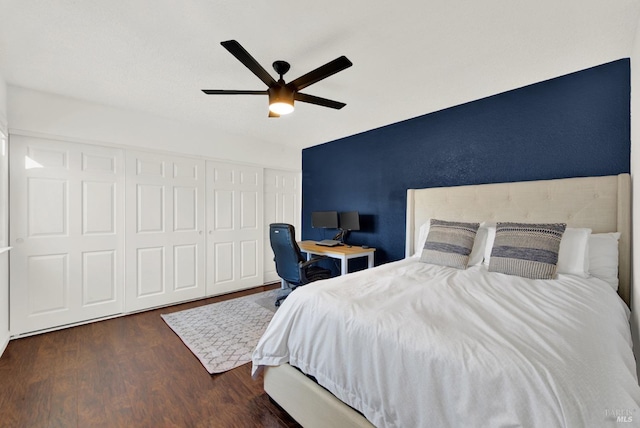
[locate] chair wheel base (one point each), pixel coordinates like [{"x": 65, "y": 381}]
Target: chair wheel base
[{"x": 283, "y": 295}]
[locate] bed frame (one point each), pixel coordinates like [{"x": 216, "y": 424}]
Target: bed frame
[{"x": 600, "y": 203}]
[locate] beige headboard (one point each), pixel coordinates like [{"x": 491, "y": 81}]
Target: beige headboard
[{"x": 600, "y": 203}]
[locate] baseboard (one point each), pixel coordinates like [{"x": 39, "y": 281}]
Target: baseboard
[
  {"x": 259, "y": 288},
  {"x": 4, "y": 342}
]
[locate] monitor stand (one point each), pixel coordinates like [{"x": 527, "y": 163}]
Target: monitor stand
[{"x": 340, "y": 236}]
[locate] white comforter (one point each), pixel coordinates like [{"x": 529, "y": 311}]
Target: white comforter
[{"x": 415, "y": 345}]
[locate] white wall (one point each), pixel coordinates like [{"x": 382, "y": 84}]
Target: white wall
[
  {"x": 4, "y": 271},
  {"x": 3, "y": 104},
  {"x": 48, "y": 114},
  {"x": 635, "y": 183}
]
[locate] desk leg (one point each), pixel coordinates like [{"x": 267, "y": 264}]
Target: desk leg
[
  {"x": 344, "y": 265},
  {"x": 370, "y": 258}
]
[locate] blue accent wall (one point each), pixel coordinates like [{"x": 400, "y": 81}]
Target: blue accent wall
[{"x": 571, "y": 126}]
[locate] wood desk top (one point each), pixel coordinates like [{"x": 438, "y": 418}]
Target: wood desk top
[{"x": 338, "y": 249}]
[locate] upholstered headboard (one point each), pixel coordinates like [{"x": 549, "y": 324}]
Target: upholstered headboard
[{"x": 600, "y": 203}]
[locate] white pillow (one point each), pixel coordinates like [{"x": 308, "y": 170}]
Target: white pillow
[
  {"x": 477, "y": 252},
  {"x": 488, "y": 246},
  {"x": 422, "y": 237},
  {"x": 573, "y": 255},
  {"x": 603, "y": 257}
]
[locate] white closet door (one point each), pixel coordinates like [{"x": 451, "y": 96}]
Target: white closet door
[
  {"x": 67, "y": 217},
  {"x": 235, "y": 225},
  {"x": 165, "y": 221},
  {"x": 281, "y": 205}
]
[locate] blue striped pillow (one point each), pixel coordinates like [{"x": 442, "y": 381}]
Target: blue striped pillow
[
  {"x": 449, "y": 243},
  {"x": 527, "y": 250}
]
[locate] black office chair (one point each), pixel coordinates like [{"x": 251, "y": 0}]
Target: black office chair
[{"x": 290, "y": 264}]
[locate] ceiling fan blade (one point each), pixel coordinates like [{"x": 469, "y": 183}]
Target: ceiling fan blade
[
  {"x": 321, "y": 72},
  {"x": 318, "y": 101},
  {"x": 244, "y": 57},
  {"x": 272, "y": 114},
  {"x": 232, "y": 92}
]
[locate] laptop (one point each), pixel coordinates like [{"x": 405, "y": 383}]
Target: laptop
[{"x": 328, "y": 243}]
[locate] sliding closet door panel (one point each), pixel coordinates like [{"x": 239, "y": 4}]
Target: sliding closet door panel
[
  {"x": 220, "y": 266},
  {"x": 150, "y": 207},
  {"x": 234, "y": 227},
  {"x": 248, "y": 259},
  {"x": 47, "y": 207},
  {"x": 98, "y": 279},
  {"x": 150, "y": 272},
  {"x": 165, "y": 221},
  {"x": 185, "y": 266},
  {"x": 281, "y": 205},
  {"x": 48, "y": 279},
  {"x": 67, "y": 217},
  {"x": 185, "y": 213},
  {"x": 98, "y": 208}
]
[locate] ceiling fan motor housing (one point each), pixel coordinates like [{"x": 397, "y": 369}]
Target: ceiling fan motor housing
[{"x": 280, "y": 94}]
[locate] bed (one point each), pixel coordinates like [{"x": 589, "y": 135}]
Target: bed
[{"x": 464, "y": 349}]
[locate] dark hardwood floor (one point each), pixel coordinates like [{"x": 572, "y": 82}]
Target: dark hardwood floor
[{"x": 131, "y": 371}]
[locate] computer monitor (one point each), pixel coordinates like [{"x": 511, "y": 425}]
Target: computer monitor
[
  {"x": 324, "y": 219},
  {"x": 350, "y": 220}
]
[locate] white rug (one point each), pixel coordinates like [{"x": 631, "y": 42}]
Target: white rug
[{"x": 223, "y": 335}]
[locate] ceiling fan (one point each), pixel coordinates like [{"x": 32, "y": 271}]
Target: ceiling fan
[{"x": 281, "y": 94}]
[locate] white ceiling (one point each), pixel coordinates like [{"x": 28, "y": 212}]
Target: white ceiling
[{"x": 410, "y": 57}]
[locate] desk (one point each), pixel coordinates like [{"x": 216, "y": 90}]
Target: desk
[{"x": 341, "y": 252}]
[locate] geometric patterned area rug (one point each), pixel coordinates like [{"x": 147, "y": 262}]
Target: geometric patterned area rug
[{"x": 223, "y": 335}]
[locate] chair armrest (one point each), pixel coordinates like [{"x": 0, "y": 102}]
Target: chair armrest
[{"x": 303, "y": 265}]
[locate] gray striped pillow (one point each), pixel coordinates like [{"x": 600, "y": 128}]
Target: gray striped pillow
[
  {"x": 527, "y": 250},
  {"x": 449, "y": 243}
]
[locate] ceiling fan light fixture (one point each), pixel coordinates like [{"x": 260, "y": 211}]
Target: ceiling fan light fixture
[
  {"x": 281, "y": 108},
  {"x": 280, "y": 100}
]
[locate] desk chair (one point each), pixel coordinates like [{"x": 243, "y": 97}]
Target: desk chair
[{"x": 290, "y": 264}]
